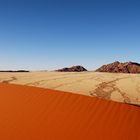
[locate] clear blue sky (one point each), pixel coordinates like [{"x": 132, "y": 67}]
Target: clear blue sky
[{"x": 50, "y": 34}]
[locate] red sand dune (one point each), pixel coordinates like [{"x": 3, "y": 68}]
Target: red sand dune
[{"x": 29, "y": 113}]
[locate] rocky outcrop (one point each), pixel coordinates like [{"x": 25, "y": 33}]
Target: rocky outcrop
[
  {"x": 118, "y": 67},
  {"x": 72, "y": 69}
]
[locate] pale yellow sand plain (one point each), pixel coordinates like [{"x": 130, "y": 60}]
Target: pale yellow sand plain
[{"x": 118, "y": 87}]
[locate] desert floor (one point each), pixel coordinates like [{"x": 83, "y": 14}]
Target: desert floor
[
  {"x": 31, "y": 113},
  {"x": 118, "y": 87}
]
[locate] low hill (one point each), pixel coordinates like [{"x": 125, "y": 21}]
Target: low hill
[
  {"x": 14, "y": 71},
  {"x": 72, "y": 69}
]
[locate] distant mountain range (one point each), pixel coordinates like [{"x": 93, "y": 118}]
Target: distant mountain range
[{"x": 115, "y": 67}]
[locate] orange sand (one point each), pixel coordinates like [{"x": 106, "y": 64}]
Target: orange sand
[{"x": 30, "y": 113}]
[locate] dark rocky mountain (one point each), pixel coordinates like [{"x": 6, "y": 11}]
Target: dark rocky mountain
[
  {"x": 118, "y": 67},
  {"x": 72, "y": 69}
]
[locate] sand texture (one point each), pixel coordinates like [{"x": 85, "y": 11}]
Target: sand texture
[
  {"x": 30, "y": 113},
  {"x": 111, "y": 86}
]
